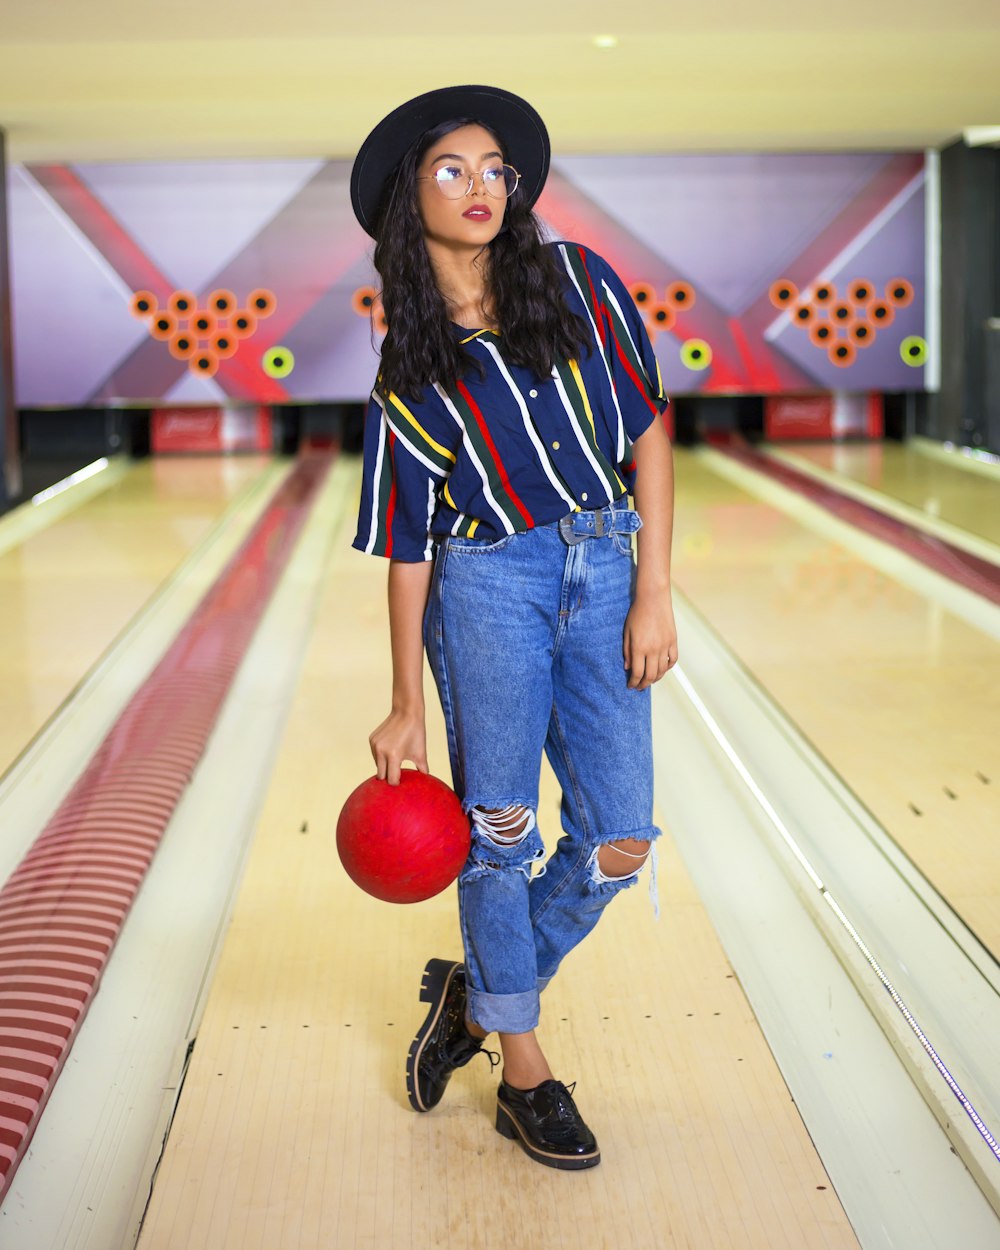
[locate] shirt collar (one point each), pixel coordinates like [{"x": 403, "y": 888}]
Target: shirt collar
[{"x": 469, "y": 336}]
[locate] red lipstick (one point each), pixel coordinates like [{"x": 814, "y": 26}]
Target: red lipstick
[{"x": 478, "y": 212}]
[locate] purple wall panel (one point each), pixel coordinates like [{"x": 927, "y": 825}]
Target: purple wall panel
[{"x": 83, "y": 239}]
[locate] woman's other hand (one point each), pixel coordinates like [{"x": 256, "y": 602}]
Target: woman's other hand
[{"x": 650, "y": 640}]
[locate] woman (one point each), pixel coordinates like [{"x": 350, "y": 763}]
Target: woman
[{"x": 517, "y": 406}]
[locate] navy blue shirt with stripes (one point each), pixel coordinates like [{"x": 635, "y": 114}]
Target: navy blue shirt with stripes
[{"x": 491, "y": 456}]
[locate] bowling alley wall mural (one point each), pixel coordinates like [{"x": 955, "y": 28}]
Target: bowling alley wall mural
[{"x": 194, "y": 283}]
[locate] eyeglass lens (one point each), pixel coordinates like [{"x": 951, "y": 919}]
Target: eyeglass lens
[{"x": 498, "y": 180}]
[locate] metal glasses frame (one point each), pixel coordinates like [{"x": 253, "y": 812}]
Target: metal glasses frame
[{"x": 472, "y": 182}]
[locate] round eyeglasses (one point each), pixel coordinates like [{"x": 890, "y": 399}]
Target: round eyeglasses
[{"x": 455, "y": 182}]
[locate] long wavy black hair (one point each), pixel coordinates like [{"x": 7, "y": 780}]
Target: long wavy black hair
[{"x": 524, "y": 284}]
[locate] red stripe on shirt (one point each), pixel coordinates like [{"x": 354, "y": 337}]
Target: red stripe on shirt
[
  {"x": 593, "y": 297},
  {"x": 628, "y": 366},
  {"x": 505, "y": 480},
  {"x": 390, "y": 507}
]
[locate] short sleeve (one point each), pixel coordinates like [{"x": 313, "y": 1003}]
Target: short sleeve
[
  {"x": 634, "y": 367},
  {"x": 402, "y": 474}
]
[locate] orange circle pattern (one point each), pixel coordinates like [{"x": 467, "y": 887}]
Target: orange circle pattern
[
  {"x": 182, "y": 346},
  {"x": 262, "y": 302},
  {"x": 364, "y": 300},
  {"x": 841, "y": 353},
  {"x": 862, "y": 334},
  {"x": 899, "y": 292},
  {"x": 221, "y": 302},
  {"x": 242, "y": 323},
  {"x": 783, "y": 293},
  {"x": 143, "y": 304},
  {"x": 841, "y": 326},
  {"x": 661, "y": 314},
  {"x": 681, "y": 296},
  {"x": 202, "y": 335},
  {"x": 643, "y": 294}
]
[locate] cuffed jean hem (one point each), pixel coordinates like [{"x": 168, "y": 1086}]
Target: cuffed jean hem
[
  {"x": 504, "y": 1013},
  {"x": 543, "y": 983}
]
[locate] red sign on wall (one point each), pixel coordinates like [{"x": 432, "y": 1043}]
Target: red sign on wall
[
  {"x": 837, "y": 414},
  {"x": 210, "y": 429}
]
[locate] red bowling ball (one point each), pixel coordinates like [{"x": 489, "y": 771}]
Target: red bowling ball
[{"x": 403, "y": 843}]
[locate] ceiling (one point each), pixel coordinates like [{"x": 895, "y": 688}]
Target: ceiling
[{"x": 133, "y": 79}]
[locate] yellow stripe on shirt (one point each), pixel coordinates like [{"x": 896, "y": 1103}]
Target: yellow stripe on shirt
[
  {"x": 398, "y": 404},
  {"x": 584, "y": 396}
]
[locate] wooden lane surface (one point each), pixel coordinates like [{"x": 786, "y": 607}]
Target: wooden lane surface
[
  {"x": 293, "y": 1129},
  {"x": 948, "y": 492},
  {"x": 69, "y": 590},
  {"x": 898, "y": 695}
]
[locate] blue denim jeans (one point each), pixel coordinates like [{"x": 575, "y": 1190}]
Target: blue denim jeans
[{"x": 524, "y": 637}]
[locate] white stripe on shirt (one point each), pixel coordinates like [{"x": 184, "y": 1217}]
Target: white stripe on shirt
[
  {"x": 585, "y": 298},
  {"x": 580, "y": 437},
  {"x": 373, "y": 528},
  {"x": 532, "y": 433}
]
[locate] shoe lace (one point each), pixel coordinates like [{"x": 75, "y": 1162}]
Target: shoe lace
[
  {"x": 491, "y": 1055},
  {"x": 562, "y": 1101}
]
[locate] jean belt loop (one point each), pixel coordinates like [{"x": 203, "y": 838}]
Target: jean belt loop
[{"x": 599, "y": 523}]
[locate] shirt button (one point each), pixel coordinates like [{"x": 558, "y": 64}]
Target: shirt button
[
  {"x": 555, "y": 445},
  {"x": 533, "y": 394},
  {"x": 584, "y": 496}
]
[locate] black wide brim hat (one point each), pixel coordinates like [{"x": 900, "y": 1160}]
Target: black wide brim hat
[{"x": 513, "y": 120}]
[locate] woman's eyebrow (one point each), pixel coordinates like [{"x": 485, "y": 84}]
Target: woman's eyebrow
[{"x": 454, "y": 156}]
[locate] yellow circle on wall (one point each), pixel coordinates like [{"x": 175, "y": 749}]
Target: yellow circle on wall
[
  {"x": 278, "y": 362},
  {"x": 696, "y": 354},
  {"x": 913, "y": 350}
]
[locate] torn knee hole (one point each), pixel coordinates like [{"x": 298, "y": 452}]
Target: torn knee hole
[
  {"x": 622, "y": 858},
  {"x": 504, "y": 825}
]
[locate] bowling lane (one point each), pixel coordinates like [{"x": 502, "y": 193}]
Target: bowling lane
[
  {"x": 897, "y": 693},
  {"x": 69, "y": 589},
  {"x": 293, "y": 1128},
  {"x": 953, "y": 493}
]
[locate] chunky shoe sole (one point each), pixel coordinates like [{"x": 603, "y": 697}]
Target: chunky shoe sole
[
  {"x": 438, "y": 976},
  {"x": 507, "y": 1126}
]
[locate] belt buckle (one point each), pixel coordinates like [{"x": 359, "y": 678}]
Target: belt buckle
[{"x": 569, "y": 534}]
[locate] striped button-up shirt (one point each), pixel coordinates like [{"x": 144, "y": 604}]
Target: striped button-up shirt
[{"x": 491, "y": 456}]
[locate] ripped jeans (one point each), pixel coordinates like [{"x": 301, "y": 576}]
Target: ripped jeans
[{"x": 524, "y": 637}]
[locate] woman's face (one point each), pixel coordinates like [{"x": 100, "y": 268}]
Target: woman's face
[{"x": 474, "y": 219}]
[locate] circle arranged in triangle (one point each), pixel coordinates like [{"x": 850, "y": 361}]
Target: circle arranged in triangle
[
  {"x": 207, "y": 333},
  {"x": 839, "y": 325}
]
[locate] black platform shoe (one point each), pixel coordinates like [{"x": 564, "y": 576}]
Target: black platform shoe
[
  {"x": 443, "y": 1042},
  {"x": 546, "y": 1125}
]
